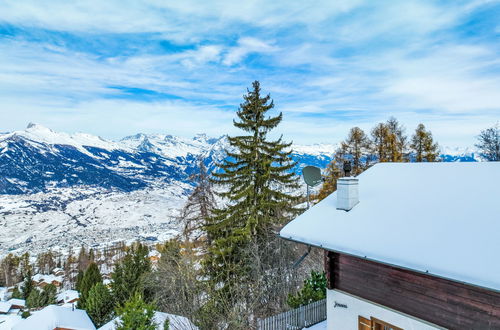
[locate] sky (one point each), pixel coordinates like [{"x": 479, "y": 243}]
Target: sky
[{"x": 118, "y": 67}]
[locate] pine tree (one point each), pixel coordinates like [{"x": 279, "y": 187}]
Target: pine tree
[
  {"x": 48, "y": 295},
  {"x": 314, "y": 289},
  {"x": 136, "y": 314},
  {"x": 423, "y": 145},
  {"x": 33, "y": 300},
  {"x": 91, "y": 277},
  {"x": 199, "y": 205},
  {"x": 128, "y": 275},
  {"x": 79, "y": 279},
  {"x": 255, "y": 179},
  {"x": 27, "y": 285},
  {"x": 489, "y": 143},
  {"x": 17, "y": 294},
  {"x": 100, "y": 305}
]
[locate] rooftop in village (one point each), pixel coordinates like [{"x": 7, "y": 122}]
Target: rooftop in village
[{"x": 436, "y": 218}]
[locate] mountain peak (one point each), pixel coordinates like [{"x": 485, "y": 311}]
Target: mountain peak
[{"x": 34, "y": 126}]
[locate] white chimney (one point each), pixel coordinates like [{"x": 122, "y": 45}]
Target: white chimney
[{"x": 347, "y": 193}]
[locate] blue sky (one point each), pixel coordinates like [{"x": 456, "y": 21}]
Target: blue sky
[{"x": 115, "y": 68}]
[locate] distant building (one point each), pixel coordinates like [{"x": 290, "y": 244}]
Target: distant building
[
  {"x": 410, "y": 246},
  {"x": 56, "y": 318},
  {"x": 68, "y": 297},
  {"x": 42, "y": 280}
]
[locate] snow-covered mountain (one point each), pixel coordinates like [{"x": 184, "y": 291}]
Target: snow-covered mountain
[{"x": 61, "y": 190}]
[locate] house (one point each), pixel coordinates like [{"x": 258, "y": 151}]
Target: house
[
  {"x": 410, "y": 246},
  {"x": 55, "y": 317},
  {"x": 68, "y": 297},
  {"x": 41, "y": 280},
  {"x": 154, "y": 257},
  {"x": 17, "y": 303},
  {"x": 58, "y": 271},
  {"x": 177, "y": 322},
  {"x": 5, "y": 307}
]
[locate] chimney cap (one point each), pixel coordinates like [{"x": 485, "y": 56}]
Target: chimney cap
[{"x": 347, "y": 168}]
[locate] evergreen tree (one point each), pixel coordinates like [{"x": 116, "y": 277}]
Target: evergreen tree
[
  {"x": 27, "y": 285},
  {"x": 100, "y": 305},
  {"x": 17, "y": 294},
  {"x": 91, "y": 277},
  {"x": 128, "y": 276},
  {"x": 34, "y": 300},
  {"x": 314, "y": 289},
  {"x": 489, "y": 143},
  {"x": 37, "y": 298},
  {"x": 48, "y": 295},
  {"x": 199, "y": 205},
  {"x": 79, "y": 279},
  {"x": 255, "y": 178},
  {"x": 136, "y": 315},
  {"x": 423, "y": 145}
]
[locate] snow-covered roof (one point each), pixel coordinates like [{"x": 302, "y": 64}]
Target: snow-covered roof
[
  {"x": 56, "y": 317},
  {"x": 177, "y": 322},
  {"x": 47, "y": 278},
  {"x": 8, "y": 321},
  {"x": 5, "y": 306},
  {"x": 440, "y": 218},
  {"x": 68, "y": 295},
  {"x": 17, "y": 302}
]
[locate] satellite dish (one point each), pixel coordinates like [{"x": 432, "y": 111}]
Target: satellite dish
[{"x": 312, "y": 175}]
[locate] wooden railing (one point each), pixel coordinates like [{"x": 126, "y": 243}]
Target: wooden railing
[{"x": 299, "y": 318}]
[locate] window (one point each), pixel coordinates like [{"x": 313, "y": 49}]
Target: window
[{"x": 375, "y": 324}]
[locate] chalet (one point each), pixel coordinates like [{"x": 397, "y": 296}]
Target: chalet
[
  {"x": 68, "y": 297},
  {"x": 17, "y": 303},
  {"x": 56, "y": 318},
  {"x": 42, "y": 280},
  {"x": 154, "y": 257},
  {"x": 5, "y": 307},
  {"x": 410, "y": 246},
  {"x": 58, "y": 271}
]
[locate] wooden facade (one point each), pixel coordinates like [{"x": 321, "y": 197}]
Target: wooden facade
[{"x": 446, "y": 303}]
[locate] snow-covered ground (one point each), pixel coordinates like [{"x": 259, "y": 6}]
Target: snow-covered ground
[{"x": 72, "y": 217}]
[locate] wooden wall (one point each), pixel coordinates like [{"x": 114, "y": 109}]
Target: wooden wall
[{"x": 450, "y": 304}]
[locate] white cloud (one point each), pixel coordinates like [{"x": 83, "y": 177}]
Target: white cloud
[
  {"x": 245, "y": 47},
  {"x": 350, "y": 63}
]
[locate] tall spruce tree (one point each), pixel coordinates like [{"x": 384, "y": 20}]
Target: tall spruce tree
[
  {"x": 423, "y": 145},
  {"x": 128, "y": 275},
  {"x": 91, "y": 277},
  {"x": 136, "y": 314},
  {"x": 100, "y": 304},
  {"x": 27, "y": 285},
  {"x": 254, "y": 180}
]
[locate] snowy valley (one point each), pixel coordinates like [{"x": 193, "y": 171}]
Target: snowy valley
[{"x": 62, "y": 191}]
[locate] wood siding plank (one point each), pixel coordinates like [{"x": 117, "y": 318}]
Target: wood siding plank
[{"x": 446, "y": 303}]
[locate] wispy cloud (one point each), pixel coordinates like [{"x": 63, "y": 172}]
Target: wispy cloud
[{"x": 183, "y": 66}]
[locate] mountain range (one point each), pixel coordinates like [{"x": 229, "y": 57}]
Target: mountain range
[{"x": 58, "y": 190}]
